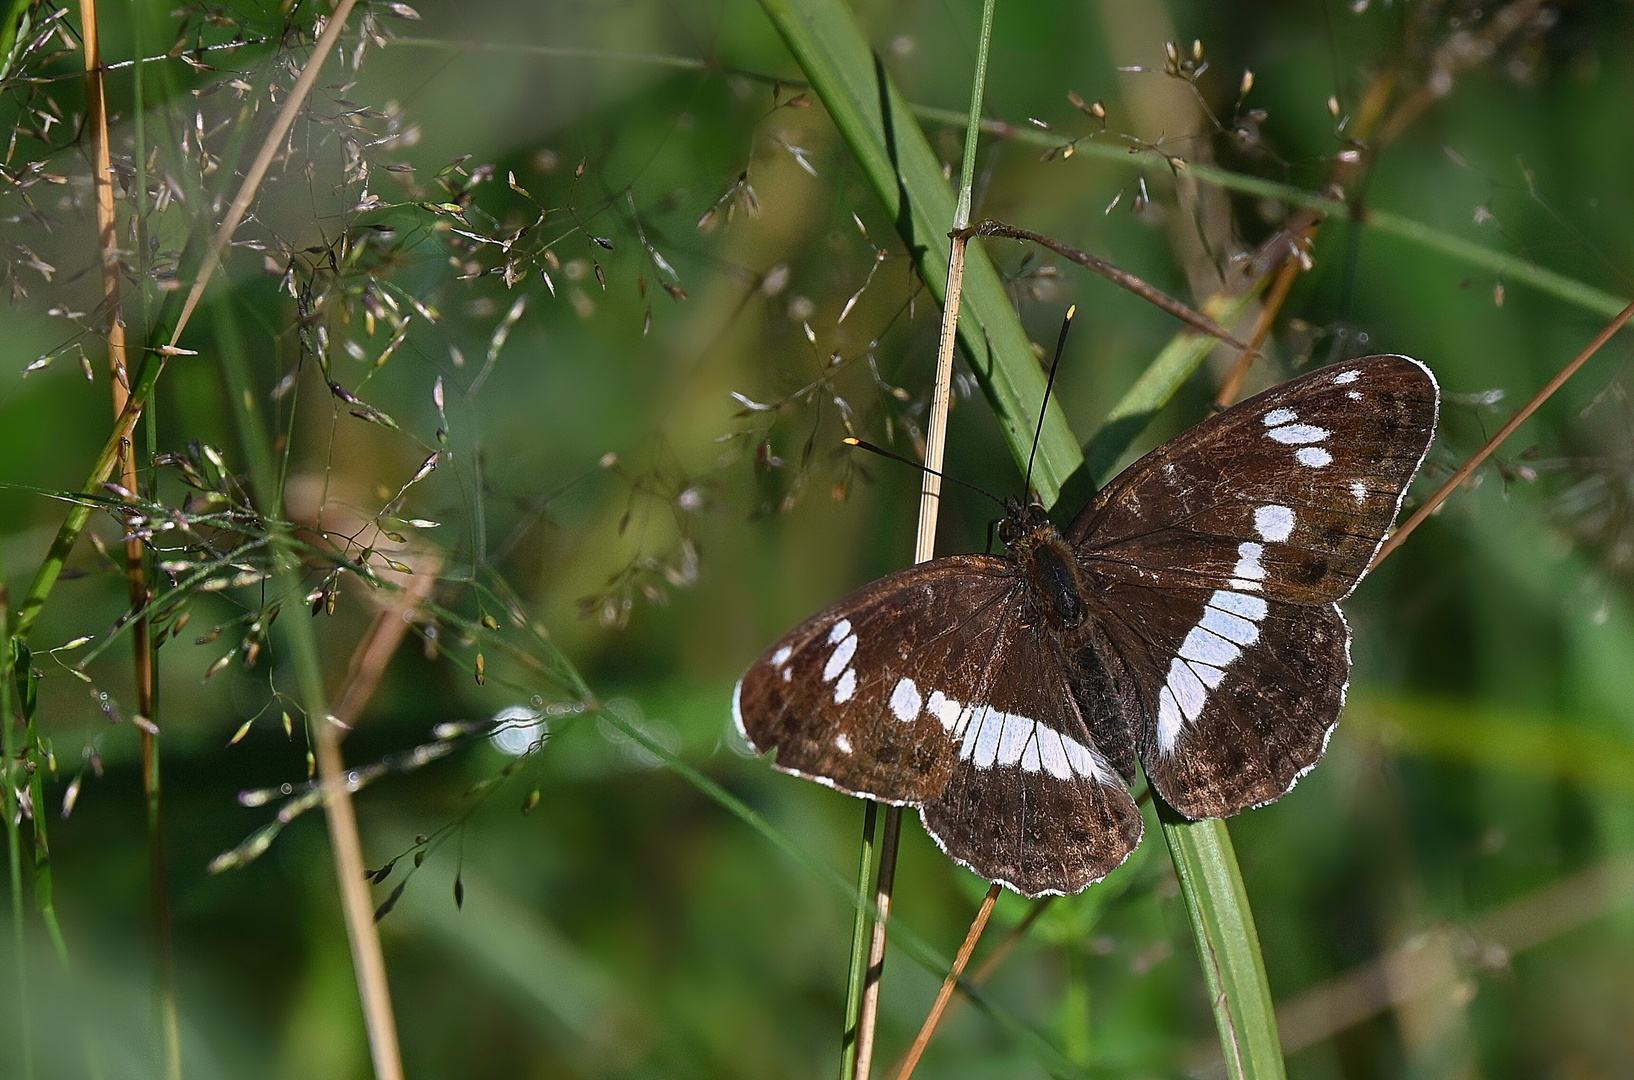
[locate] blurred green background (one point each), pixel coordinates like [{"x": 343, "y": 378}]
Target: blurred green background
[{"x": 1449, "y": 895}]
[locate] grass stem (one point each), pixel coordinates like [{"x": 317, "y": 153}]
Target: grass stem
[
  {"x": 14, "y": 839},
  {"x": 164, "y": 982},
  {"x": 368, "y": 960},
  {"x": 973, "y": 935},
  {"x": 859, "y": 941},
  {"x": 1463, "y": 472},
  {"x": 930, "y": 495}
]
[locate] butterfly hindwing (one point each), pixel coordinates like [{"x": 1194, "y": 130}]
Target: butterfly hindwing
[
  {"x": 1289, "y": 493},
  {"x": 1235, "y": 694},
  {"x": 1032, "y": 801}
]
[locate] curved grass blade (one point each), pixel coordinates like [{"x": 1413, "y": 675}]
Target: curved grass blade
[{"x": 906, "y": 177}]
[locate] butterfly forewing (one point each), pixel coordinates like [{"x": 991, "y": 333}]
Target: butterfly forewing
[
  {"x": 1289, "y": 493},
  {"x": 1216, "y": 561},
  {"x": 854, "y": 696}
]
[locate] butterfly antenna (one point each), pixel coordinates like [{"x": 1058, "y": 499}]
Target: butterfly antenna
[
  {"x": 863, "y": 444},
  {"x": 1060, "y": 343}
]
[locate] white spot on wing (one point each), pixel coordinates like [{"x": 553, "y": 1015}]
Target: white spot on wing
[
  {"x": 1085, "y": 762},
  {"x": 847, "y": 684},
  {"x": 1345, "y": 377},
  {"x": 1313, "y": 457},
  {"x": 1280, "y": 416},
  {"x": 1354, "y": 395},
  {"x": 987, "y": 737},
  {"x": 841, "y": 656},
  {"x": 1208, "y": 648},
  {"x": 1014, "y": 740},
  {"x": 1208, "y": 676},
  {"x": 943, "y": 708},
  {"x": 843, "y": 741},
  {"x": 1188, "y": 690},
  {"x": 1249, "y": 607},
  {"x": 1052, "y": 754},
  {"x": 841, "y": 628},
  {"x": 781, "y": 656},
  {"x": 1359, "y": 489},
  {"x": 1294, "y": 434},
  {"x": 1248, "y": 572},
  {"x": 1274, "y": 522},
  {"x": 1230, "y": 620},
  {"x": 1169, "y": 721},
  {"x": 1236, "y": 630},
  {"x": 905, "y": 700},
  {"x": 1029, "y": 757}
]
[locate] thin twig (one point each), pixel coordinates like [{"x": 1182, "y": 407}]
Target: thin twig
[
  {"x": 1463, "y": 473},
  {"x": 1123, "y": 278},
  {"x": 926, "y": 1030},
  {"x": 985, "y": 969},
  {"x": 386, "y": 633},
  {"x": 1232, "y": 386},
  {"x": 164, "y": 983},
  {"x": 263, "y": 161},
  {"x": 930, "y": 494}
]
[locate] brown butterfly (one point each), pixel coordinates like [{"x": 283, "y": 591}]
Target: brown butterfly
[{"x": 1188, "y": 619}]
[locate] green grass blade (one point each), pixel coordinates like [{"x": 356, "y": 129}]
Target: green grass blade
[
  {"x": 1511, "y": 268},
  {"x": 1227, "y": 944},
  {"x": 14, "y": 839},
  {"x": 859, "y": 942},
  {"x": 906, "y": 177}
]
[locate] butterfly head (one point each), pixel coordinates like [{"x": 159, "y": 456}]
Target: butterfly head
[{"x": 1024, "y": 524}]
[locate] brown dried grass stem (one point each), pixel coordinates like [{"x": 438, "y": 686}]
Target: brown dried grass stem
[
  {"x": 1525, "y": 413},
  {"x": 943, "y": 996},
  {"x": 930, "y": 495},
  {"x": 985, "y": 969},
  {"x": 1120, "y": 277},
  {"x": 1300, "y": 234},
  {"x": 1232, "y": 387},
  {"x": 164, "y": 987},
  {"x": 263, "y": 161},
  {"x": 367, "y": 666}
]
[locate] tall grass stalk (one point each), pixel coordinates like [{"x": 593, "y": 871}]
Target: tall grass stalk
[
  {"x": 930, "y": 499},
  {"x": 905, "y": 175},
  {"x": 164, "y": 981},
  {"x": 860, "y": 938},
  {"x": 14, "y": 839},
  {"x": 368, "y": 961}
]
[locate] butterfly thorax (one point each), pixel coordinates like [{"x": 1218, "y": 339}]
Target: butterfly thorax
[{"x": 1057, "y": 583}]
